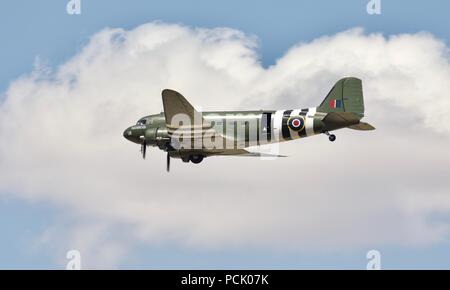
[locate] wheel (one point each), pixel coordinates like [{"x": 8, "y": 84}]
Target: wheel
[
  {"x": 196, "y": 159},
  {"x": 332, "y": 138}
]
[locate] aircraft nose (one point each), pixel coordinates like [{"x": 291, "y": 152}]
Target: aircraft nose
[
  {"x": 127, "y": 133},
  {"x": 133, "y": 135}
]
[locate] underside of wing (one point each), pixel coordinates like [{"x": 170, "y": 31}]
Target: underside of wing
[{"x": 243, "y": 153}]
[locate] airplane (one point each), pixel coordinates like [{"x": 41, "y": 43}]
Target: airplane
[{"x": 190, "y": 135}]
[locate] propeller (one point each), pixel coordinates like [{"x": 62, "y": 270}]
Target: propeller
[
  {"x": 144, "y": 149},
  {"x": 168, "y": 162}
]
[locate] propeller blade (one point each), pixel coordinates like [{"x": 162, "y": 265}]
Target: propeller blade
[
  {"x": 144, "y": 149},
  {"x": 168, "y": 162}
]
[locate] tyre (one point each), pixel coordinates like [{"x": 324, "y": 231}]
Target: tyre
[{"x": 196, "y": 159}]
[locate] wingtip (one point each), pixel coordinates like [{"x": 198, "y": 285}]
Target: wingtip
[{"x": 165, "y": 91}]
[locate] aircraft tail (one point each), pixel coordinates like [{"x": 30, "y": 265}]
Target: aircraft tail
[
  {"x": 345, "y": 96},
  {"x": 344, "y": 106}
]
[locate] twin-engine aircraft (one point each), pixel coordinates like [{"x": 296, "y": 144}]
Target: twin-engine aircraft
[{"x": 185, "y": 133}]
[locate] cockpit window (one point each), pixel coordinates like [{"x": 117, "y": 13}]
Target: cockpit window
[{"x": 142, "y": 122}]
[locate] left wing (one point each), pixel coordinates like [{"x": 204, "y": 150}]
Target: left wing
[{"x": 175, "y": 104}]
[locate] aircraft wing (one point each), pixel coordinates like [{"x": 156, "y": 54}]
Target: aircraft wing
[
  {"x": 245, "y": 153},
  {"x": 174, "y": 104}
]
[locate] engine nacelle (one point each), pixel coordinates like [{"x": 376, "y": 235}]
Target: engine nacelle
[{"x": 157, "y": 137}]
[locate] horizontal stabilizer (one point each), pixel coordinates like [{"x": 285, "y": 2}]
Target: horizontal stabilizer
[
  {"x": 337, "y": 120},
  {"x": 362, "y": 127}
]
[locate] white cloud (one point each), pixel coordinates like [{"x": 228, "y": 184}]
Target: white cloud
[{"x": 62, "y": 142}]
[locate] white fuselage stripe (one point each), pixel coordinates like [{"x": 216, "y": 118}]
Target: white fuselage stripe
[
  {"x": 277, "y": 124},
  {"x": 309, "y": 121}
]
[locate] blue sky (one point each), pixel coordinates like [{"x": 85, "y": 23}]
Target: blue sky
[{"x": 42, "y": 28}]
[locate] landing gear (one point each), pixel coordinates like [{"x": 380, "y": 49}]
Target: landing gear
[
  {"x": 331, "y": 137},
  {"x": 196, "y": 159}
]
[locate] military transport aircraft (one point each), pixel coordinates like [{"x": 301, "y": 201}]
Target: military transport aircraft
[{"x": 185, "y": 133}]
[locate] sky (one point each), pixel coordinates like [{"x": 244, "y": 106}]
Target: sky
[{"x": 70, "y": 84}]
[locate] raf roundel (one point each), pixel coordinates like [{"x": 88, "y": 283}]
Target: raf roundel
[{"x": 296, "y": 123}]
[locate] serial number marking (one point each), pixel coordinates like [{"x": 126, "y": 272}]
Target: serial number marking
[{"x": 247, "y": 279}]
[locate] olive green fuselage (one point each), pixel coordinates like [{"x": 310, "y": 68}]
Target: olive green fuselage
[{"x": 241, "y": 129}]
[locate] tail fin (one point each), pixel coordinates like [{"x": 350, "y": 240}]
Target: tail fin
[{"x": 345, "y": 96}]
